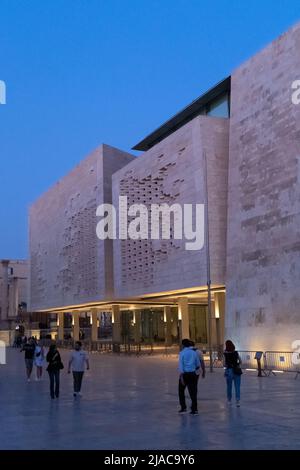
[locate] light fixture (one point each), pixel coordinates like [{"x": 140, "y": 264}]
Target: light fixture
[
  {"x": 217, "y": 310},
  {"x": 179, "y": 314},
  {"x": 73, "y": 320},
  {"x": 57, "y": 320}
]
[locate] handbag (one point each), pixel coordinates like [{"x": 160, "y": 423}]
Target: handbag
[{"x": 237, "y": 370}]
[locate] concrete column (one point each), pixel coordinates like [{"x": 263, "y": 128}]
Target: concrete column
[
  {"x": 137, "y": 326},
  {"x": 116, "y": 318},
  {"x": 183, "y": 314},
  {"x": 4, "y": 290},
  {"x": 76, "y": 316},
  {"x": 94, "y": 316},
  {"x": 220, "y": 316},
  {"x": 168, "y": 326},
  {"x": 61, "y": 325}
]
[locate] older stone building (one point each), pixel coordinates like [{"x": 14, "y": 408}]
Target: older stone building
[
  {"x": 14, "y": 291},
  {"x": 236, "y": 150}
]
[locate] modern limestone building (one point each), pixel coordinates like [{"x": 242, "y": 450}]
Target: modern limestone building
[{"x": 235, "y": 149}]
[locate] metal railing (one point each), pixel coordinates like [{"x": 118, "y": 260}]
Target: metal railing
[
  {"x": 270, "y": 362},
  {"x": 282, "y": 361},
  {"x": 248, "y": 359}
]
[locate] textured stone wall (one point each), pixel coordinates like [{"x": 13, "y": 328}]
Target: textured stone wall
[
  {"x": 20, "y": 283},
  {"x": 263, "y": 251},
  {"x": 69, "y": 265},
  {"x": 173, "y": 172}
]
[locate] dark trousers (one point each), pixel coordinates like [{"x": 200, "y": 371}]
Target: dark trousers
[
  {"x": 191, "y": 382},
  {"x": 54, "y": 381},
  {"x": 77, "y": 379}
]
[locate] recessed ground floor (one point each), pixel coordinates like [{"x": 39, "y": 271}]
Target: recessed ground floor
[
  {"x": 163, "y": 318},
  {"x": 129, "y": 403}
]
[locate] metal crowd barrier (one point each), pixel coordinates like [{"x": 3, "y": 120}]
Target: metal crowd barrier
[
  {"x": 269, "y": 362},
  {"x": 282, "y": 361},
  {"x": 248, "y": 359}
]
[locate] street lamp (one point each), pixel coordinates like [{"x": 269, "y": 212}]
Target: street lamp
[{"x": 208, "y": 280}]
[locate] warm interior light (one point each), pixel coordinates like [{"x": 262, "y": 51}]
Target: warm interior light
[
  {"x": 253, "y": 370},
  {"x": 179, "y": 314},
  {"x": 57, "y": 320},
  {"x": 73, "y": 320}
]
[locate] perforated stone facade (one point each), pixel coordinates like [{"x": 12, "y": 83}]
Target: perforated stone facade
[
  {"x": 171, "y": 172},
  {"x": 69, "y": 265}
]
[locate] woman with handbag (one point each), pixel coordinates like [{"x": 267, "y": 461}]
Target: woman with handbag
[
  {"x": 233, "y": 371},
  {"x": 54, "y": 368}
]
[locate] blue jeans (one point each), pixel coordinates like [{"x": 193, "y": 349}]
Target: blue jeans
[
  {"x": 54, "y": 381},
  {"x": 236, "y": 379}
]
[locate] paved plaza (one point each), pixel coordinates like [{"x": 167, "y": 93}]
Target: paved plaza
[{"x": 131, "y": 403}]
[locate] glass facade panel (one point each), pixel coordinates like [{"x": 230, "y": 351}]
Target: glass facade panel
[
  {"x": 198, "y": 323},
  {"x": 153, "y": 326},
  {"x": 219, "y": 107}
]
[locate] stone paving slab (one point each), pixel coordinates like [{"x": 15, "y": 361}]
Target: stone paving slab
[{"x": 131, "y": 403}]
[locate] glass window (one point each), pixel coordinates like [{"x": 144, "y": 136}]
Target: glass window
[
  {"x": 198, "y": 326},
  {"x": 219, "y": 107}
]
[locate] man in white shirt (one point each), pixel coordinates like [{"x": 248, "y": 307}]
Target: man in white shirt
[
  {"x": 189, "y": 363},
  {"x": 78, "y": 360}
]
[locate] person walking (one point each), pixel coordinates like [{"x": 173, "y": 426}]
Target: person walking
[
  {"x": 54, "y": 367},
  {"x": 188, "y": 364},
  {"x": 39, "y": 357},
  {"x": 233, "y": 372},
  {"x": 29, "y": 349},
  {"x": 78, "y": 360}
]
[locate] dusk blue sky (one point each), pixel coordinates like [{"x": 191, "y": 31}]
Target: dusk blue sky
[{"x": 79, "y": 73}]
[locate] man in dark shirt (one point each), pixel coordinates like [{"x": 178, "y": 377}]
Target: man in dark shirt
[{"x": 29, "y": 349}]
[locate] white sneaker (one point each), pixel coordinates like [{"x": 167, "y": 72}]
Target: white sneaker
[{"x": 238, "y": 403}]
